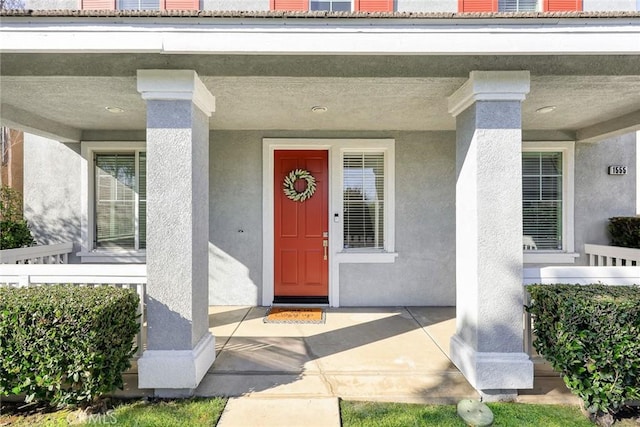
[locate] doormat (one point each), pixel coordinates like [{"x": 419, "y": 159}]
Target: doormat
[{"x": 299, "y": 315}]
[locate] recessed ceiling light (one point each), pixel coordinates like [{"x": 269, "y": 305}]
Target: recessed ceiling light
[
  {"x": 319, "y": 109},
  {"x": 545, "y": 110},
  {"x": 114, "y": 110}
]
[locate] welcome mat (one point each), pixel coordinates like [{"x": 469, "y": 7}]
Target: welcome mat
[{"x": 295, "y": 315}]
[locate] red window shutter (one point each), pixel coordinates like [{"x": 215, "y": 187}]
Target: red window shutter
[
  {"x": 477, "y": 5},
  {"x": 374, "y": 5},
  {"x": 562, "y": 5},
  {"x": 180, "y": 4},
  {"x": 98, "y": 4},
  {"x": 289, "y": 4}
]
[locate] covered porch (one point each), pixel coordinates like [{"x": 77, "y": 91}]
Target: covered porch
[
  {"x": 446, "y": 104},
  {"x": 393, "y": 354}
]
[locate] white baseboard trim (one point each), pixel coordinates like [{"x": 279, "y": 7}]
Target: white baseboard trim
[
  {"x": 176, "y": 369},
  {"x": 492, "y": 371}
]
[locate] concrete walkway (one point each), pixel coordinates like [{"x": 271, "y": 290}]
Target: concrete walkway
[{"x": 293, "y": 375}]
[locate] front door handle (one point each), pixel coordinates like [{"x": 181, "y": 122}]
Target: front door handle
[{"x": 325, "y": 245}]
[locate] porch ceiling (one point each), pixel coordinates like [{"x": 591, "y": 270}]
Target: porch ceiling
[{"x": 66, "y": 95}]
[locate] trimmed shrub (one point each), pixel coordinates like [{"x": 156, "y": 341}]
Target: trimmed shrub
[
  {"x": 625, "y": 231},
  {"x": 14, "y": 230},
  {"x": 590, "y": 335},
  {"x": 15, "y": 234},
  {"x": 65, "y": 344}
]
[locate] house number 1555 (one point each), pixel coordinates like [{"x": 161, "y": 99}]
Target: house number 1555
[{"x": 617, "y": 170}]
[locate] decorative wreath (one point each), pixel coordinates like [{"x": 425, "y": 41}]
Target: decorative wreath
[{"x": 289, "y": 188}]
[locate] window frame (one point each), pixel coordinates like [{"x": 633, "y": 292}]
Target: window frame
[
  {"x": 89, "y": 252},
  {"x": 567, "y": 253},
  {"x": 388, "y": 224}
]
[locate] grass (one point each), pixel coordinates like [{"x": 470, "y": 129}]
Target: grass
[
  {"x": 140, "y": 413},
  {"x": 206, "y": 412},
  {"x": 372, "y": 414}
]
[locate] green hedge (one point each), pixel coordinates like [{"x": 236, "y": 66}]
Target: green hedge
[
  {"x": 590, "y": 334},
  {"x": 65, "y": 344},
  {"x": 14, "y": 230},
  {"x": 625, "y": 231}
]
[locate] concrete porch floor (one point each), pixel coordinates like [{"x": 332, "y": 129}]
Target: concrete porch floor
[{"x": 397, "y": 354}]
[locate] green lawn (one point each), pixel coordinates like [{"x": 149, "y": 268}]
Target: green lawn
[
  {"x": 159, "y": 413},
  {"x": 371, "y": 414}
]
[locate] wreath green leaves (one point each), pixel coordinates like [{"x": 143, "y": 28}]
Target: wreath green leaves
[{"x": 289, "y": 189}]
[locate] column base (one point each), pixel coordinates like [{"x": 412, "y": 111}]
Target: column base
[
  {"x": 492, "y": 372},
  {"x": 178, "y": 370}
]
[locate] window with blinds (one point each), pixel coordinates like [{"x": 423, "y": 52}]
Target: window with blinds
[
  {"x": 517, "y": 5},
  {"x": 120, "y": 201},
  {"x": 363, "y": 200},
  {"x": 138, "y": 4},
  {"x": 542, "y": 199},
  {"x": 331, "y": 5}
]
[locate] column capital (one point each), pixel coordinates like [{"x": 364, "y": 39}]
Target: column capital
[
  {"x": 172, "y": 85},
  {"x": 490, "y": 86}
]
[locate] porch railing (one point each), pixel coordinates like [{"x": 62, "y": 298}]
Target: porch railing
[
  {"x": 130, "y": 276},
  {"x": 603, "y": 256},
  {"x": 614, "y": 276},
  {"x": 44, "y": 254}
]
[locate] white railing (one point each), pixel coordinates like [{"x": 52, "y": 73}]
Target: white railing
[
  {"x": 613, "y": 276},
  {"x": 45, "y": 254},
  {"x": 610, "y": 256},
  {"x": 130, "y": 276}
]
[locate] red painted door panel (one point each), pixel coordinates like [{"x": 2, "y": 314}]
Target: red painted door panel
[{"x": 301, "y": 269}]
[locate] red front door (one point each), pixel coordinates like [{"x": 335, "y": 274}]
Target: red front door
[{"x": 301, "y": 228}]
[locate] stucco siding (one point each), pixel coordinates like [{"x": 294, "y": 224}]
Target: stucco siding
[
  {"x": 427, "y": 6},
  {"x": 235, "y": 218},
  {"x": 51, "y": 4},
  {"x": 52, "y": 191},
  {"x": 599, "y": 196},
  {"x": 424, "y": 272},
  {"x": 608, "y": 5},
  {"x": 235, "y": 5}
]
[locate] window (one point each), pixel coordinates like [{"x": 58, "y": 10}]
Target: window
[
  {"x": 542, "y": 199},
  {"x": 114, "y": 203},
  {"x": 547, "y": 200},
  {"x": 363, "y": 200},
  {"x": 334, "y": 5},
  {"x": 519, "y": 5},
  {"x": 120, "y": 201},
  {"x": 331, "y": 5},
  {"x": 138, "y": 4}
]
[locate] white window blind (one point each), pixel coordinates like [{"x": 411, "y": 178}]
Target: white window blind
[
  {"x": 331, "y": 5},
  {"x": 120, "y": 201},
  {"x": 138, "y": 4},
  {"x": 363, "y": 200},
  {"x": 517, "y": 5},
  {"x": 542, "y": 198}
]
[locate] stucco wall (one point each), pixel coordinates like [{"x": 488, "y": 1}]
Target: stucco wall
[
  {"x": 51, "y": 4},
  {"x": 611, "y": 5},
  {"x": 599, "y": 196},
  {"x": 427, "y": 6},
  {"x": 52, "y": 190},
  {"x": 235, "y": 218},
  {"x": 234, "y": 4},
  {"x": 424, "y": 272}
]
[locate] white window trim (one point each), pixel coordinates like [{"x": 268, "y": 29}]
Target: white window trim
[
  {"x": 336, "y": 148},
  {"x": 567, "y": 255},
  {"x": 88, "y": 253}
]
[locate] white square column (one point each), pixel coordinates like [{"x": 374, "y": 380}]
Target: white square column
[
  {"x": 180, "y": 348},
  {"x": 488, "y": 344}
]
